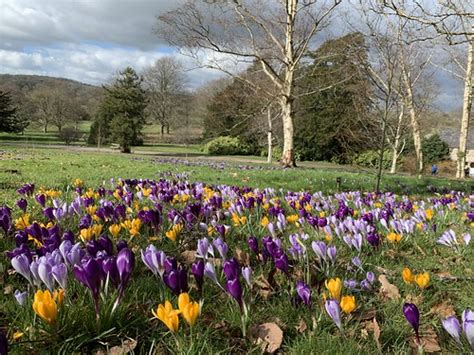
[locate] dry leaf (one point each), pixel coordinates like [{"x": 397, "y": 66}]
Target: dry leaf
[
  {"x": 376, "y": 329},
  {"x": 188, "y": 256},
  {"x": 126, "y": 347},
  {"x": 365, "y": 315},
  {"x": 302, "y": 326},
  {"x": 269, "y": 335},
  {"x": 443, "y": 309},
  {"x": 242, "y": 257},
  {"x": 8, "y": 289},
  {"x": 428, "y": 340},
  {"x": 387, "y": 290},
  {"x": 265, "y": 289}
]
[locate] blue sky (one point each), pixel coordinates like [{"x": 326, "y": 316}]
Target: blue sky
[{"x": 91, "y": 40}]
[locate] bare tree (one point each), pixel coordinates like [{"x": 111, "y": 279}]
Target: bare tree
[
  {"x": 51, "y": 107},
  {"x": 164, "y": 82},
  {"x": 453, "y": 19},
  {"x": 276, "y": 35}
]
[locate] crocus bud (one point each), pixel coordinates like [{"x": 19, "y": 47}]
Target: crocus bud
[
  {"x": 221, "y": 247},
  {"x": 247, "y": 274},
  {"x": 21, "y": 297},
  {"x": 22, "y": 204},
  {"x": 304, "y": 292},
  {"x": 320, "y": 248},
  {"x": 21, "y": 264},
  {"x": 59, "y": 273},
  {"x": 253, "y": 244},
  {"x": 334, "y": 310},
  {"x": 452, "y": 326},
  {"x": 231, "y": 269},
  {"x": 125, "y": 264},
  {"x": 412, "y": 315},
  {"x": 235, "y": 289},
  {"x": 197, "y": 270}
]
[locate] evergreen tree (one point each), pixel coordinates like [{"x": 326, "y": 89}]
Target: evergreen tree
[
  {"x": 9, "y": 120},
  {"x": 121, "y": 113}
]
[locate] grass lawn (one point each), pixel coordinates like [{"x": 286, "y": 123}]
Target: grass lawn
[{"x": 377, "y": 325}]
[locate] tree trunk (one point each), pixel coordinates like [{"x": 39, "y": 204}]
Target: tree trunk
[
  {"x": 162, "y": 130},
  {"x": 396, "y": 143},
  {"x": 466, "y": 110},
  {"x": 288, "y": 156},
  {"x": 269, "y": 135},
  {"x": 167, "y": 129},
  {"x": 45, "y": 127},
  {"x": 382, "y": 147},
  {"x": 99, "y": 137},
  {"x": 415, "y": 125}
]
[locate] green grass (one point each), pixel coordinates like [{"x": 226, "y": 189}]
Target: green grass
[{"x": 218, "y": 329}]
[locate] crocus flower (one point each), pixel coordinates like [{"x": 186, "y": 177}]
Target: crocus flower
[
  {"x": 422, "y": 280},
  {"x": 189, "y": 310},
  {"x": 331, "y": 252},
  {"x": 21, "y": 297},
  {"x": 21, "y": 264},
  {"x": 247, "y": 274},
  {"x": 412, "y": 315},
  {"x": 45, "y": 306},
  {"x": 22, "y": 204},
  {"x": 125, "y": 264},
  {"x": 59, "y": 273},
  {"x": 235, "y": 289},
  {"x": 231, "y": 269},
  {"x": 221, "y": 247},
  {"x": 448, "y": 238},
  {"x": 281, "y": 260},
  {"x": 304, "y": 292},
  {"x": 334, "y": 287},
  {"x": 320, "y": 248},
  {"x": 468, "y": 326},
  {"x": 407, "y": 276},
  {"x": 334, "y": 311},
  {"x": 253, "y": 244},
  {"x": 348, "y": 304},
  {"x": 168, "y": 316},
  {"x": 197, "y": 269},
  {"x": 452, "y": 326},
  {"x": 89, "y": 273}
]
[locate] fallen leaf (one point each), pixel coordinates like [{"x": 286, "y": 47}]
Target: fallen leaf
[
  {"x": 302, "y": 326},
  {"x": 188, "y": 256},
  {"x": 126, "y": 347},
  {"x": 269, "y": 335},
  {"x": 264, "y": 287},
  {"x": 443, "y": 309},
  {"x": 388, "y": 290},
  {"x": 428, "y": 341},
  {"x": 242, "y": 257},
  {"x": 377, "y": 334},
  {"x": 8, "y": 289},
  {"x": 365, "y": 315}
]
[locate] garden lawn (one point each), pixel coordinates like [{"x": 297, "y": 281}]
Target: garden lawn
[{"x": 284, "y": 224}]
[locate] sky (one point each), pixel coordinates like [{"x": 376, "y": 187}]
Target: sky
[{"x": 91, "y": 40}]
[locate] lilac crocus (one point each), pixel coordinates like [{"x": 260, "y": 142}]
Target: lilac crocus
[
  {"x": 21, "y": 264},
  {"x": 125, "y": 265},
  {"x": 331, "y": 253},
  {"x": 210, "y": 272},
  {"x": 221, "y": 247},
  {"x": 334, "y": 311},
  {"x": 452, "y": 326},
  {"x": 204, "y": 249},
  {"x": 320, "y": 248},
  {"x": 59, "y": 273},
  {"x": 247, "y": 275},
  {"x": 468, "y": 326},
  {"x": 154, "y": 260},
  {"x": 304, "y": 292},
  {"x": 412, "y": 315},
  {"x": 21, "y": 297}
]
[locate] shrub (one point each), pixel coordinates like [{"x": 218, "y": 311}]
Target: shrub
[
  {"x": 434, "y": 149},
  {"x": 277, "y": 151},
  {"x": 69, "y": 135},
  {"x": 224, "y": 146},
  {"x": 370, "y": 159}
]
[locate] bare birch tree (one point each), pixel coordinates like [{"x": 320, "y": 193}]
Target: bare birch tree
[
  {"x": 453, "y": 19},
  {"x": 275, "y": 34}
]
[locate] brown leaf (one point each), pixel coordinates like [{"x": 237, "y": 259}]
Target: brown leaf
[
  {"x": 302, "y": 326},
  {"x": 126, "y": 347},
  {"x": 387, "y": 290},
  {"x": 365, "y": 315},
  {"x": 188, "y": 256},
  {"x": 242, "y": 257},
  {"x": 376, "y": 333},
  {"x": 443, "y": 309},
  {"x": 8, "y": 289},
  {"x": 269, "y": 335},
  {"x": 264, "y": 287},
  {"x": 428, "y": 340}
]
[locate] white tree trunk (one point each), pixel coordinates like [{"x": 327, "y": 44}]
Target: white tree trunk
[
  {"x": 269, "y": 135},
  {"x": 396, "y": 143},
  {"x": 466, "y": 110},
  {"x": 288, "y": 156},
  {"x": 415, "y": 125}
]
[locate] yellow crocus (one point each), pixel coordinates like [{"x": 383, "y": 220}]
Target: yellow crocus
[
  {"x": 91, "y": 210},
  {"x": 334, "y": 287},
  {"x": 58, "y": 296},
  {"x": 429, "y": 214},
  {"x": 188, "y": 309},
  {"x": 264, "y": 222},
  {"x": 45, "y": 306},
  {"x": 292, "y": 218},
  {"x": 115, "y": 229},
  {"x": 407, "y": 276},
  {"x": 308, "y": 207},
  {"x": 168, "y": 316},
  {"x": 394, "y": 237},
  {"x": 87, "y": 234},
  {"x": 78, "y": 183},
  {"x": 422, "y": 280},
  {"x": 174, "y": 231},
  {"x": 22, "y": 222},
  {"x": 348, "y": 304}
]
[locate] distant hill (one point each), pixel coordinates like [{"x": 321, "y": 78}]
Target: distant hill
[{"x": 20, "y": 86}]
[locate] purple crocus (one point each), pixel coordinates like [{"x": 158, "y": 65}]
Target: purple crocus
[
  {"x": 468, "y": 326},
  {"x": 332, "y": 252},
  {"x": 59, "y": 273},
  {"x": 231, "y": 269},
  {"x": 412, "y": 315},
  {"x": 125, "y": 264},
  {"x": 304, "y": 292},
  {"x": 235, "y": 289},
  {"x": 334, "y": 311},
  {"x": 320, "y": 248},
  {"x": 281, "y": 260},
  {"x": 21, "y": 297},
  {"x": 221, "y": 247},
  {"x": 253, "y": 244},
  {"x": 247, "y": 274},
  {"x": 197, "y": 269},
  {"x": 154, "y": 260},
  {"x": 21, "y": 264},
  {"x": 41, "y": 199},
  {"x": 22, "y": 204},
  {"x": 89, "y": 273}
]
